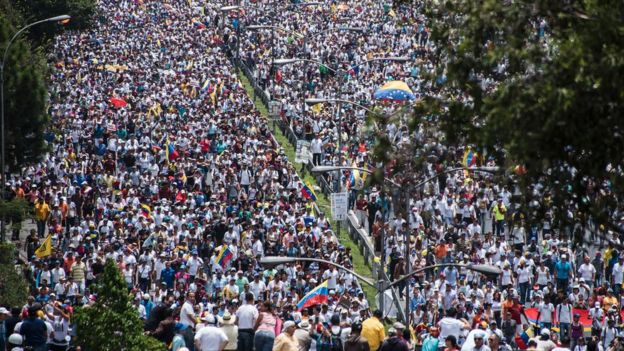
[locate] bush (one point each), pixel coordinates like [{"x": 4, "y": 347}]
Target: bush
[
  {"x": 112, "y": 323},
  {"x": 13, "y": 286}
]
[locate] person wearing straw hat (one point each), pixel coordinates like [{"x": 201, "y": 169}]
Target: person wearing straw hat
[
  {"x": 230, "y": 329},
  {"x": 286, "y": 341},
  {"x": 302, "y": 334}
]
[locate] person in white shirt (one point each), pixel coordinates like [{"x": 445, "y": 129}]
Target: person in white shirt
[
  {"x": 587, "y": 271},
  {"x": 257, "y": 286},
  {"x": 246, "y": 316},
  {"x": 524, "y": 280},
  {"x": 618, "y": 276},
  {"x": 332, "y": 276},
  {"x": 450, "y": 325},
  {"x": 194, "y": 263},
  {"x": 609, "y": 333},
  {"x": 546, "y": 310},
  {"x": 187, "y": 313},
  {"x": 564, "y": 315},
  {"x": 210, "y": 338},
  {"x": 59, "y": 320}
]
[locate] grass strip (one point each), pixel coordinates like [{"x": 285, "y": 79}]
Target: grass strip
[{"x": 359, "y": 263}]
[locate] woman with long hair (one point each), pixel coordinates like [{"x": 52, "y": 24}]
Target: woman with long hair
[{"x": 265, "y": 328}]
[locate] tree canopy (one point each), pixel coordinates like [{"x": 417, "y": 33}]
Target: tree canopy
[
  {"x": 112, "y": 323},
  {"x": 13, "y": 286},
  {"x": 25, "y": 96},
  {"x": 538, "y": 84}
]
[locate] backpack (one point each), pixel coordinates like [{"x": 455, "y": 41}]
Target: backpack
[{"x": 336, "y": 341}]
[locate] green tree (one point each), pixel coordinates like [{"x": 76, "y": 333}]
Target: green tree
[
  {"x": 25, "y": 97},
  {"x": 112, "y": 323},
  {"x": 13, "y": 286},
  {"x": 15, "y": 212},
  {"x": 540, "y": 84},
  {"x": 82, "y": 14}
]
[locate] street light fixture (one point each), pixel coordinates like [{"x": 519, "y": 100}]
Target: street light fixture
[
  {"x": 488, "y": 270},
  {"x": 287, "y": 61},
  {"x": 2, "y": 133},
  {"x": 272, "y": 261},
  {"x": 230, "y": 8},
  {"x": 381, "y": 287}
]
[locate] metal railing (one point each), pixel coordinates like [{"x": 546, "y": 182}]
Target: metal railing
[{"x": 356, "y": 234}]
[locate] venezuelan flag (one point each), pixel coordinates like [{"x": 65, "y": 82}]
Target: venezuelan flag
[
  {"x": 318, "y": 295},
  {"x": 147, "y": 211},
  {"x": 206, "y": 87},
  {"x": 307, "y": 192},
  {"x": 470, "y": 158},
  {"x": 396, "y": 91},
  {"x": 172, "y": 154},
  {"x": 225, "y": 255}
]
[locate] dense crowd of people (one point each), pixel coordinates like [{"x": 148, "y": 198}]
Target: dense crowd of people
[{"x": 160, "y": 161}]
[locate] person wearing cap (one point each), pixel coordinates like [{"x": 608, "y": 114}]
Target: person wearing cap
[
  {"x": 544, "y": 343},
  {"x": 563, "y": 273},
  {"x": 597, "y": 314},
  {"x": 15, "y": 342},
  {"x": 4, "y": 315},
  {"x": 286, "y": 341},
  {"x": 178, "y": 341},
  {"x": 394, "y": 341},
  {"x": 373, "y": 330},
  {"x": 210, "y": 338}
]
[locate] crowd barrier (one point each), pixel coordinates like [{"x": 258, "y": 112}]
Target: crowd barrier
[{"x": 358, "y": 235}]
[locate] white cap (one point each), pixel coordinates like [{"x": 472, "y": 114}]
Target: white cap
[
  {"x": 545, "y": 331},
  {"x": 210, "y": 319},
  {"x": 4, "y": 311},
  {"x": 15, "y": 339}
]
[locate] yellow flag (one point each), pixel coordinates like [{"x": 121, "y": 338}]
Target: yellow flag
[
  {"x": 45, "y": 249},
  {"x": 392, "y": 13},
  {"x": 317, "y": 108}
]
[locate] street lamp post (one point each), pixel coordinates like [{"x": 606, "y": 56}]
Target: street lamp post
[
  {"x": 2, "y": 132},
  {"x": 381, "y": 286},
  {"x": 226, "y": 9},
  {"x": 324, "y": 169}
]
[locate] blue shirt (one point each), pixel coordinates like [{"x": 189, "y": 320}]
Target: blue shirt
[
  {"x": 563, "y": 269},
  {"x": 167, "y": 276}
]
